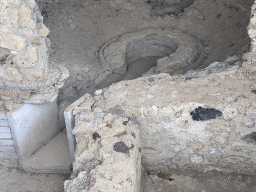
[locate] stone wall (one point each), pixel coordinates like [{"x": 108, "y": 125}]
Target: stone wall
[
  {"x": 250, "y": 57},
  {"x": 24, "y": 47},
  {"x": 29, "y": 82},
  {"x": 108, "y": 153},
  {"x": 203, "y": 120}
]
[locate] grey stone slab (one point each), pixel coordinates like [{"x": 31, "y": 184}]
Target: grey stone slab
[
  {"x": 4, "y": 122},
  {"x": 9, "y": 149},
  {"x": 5, "y": 129},
  {"x": 8, "y": 142},
  {"x": 5, "y": 136},
  {"x": 70, "y": 124},
  {"x": 3, "y": 115},
  {"x": 7, "y": 155},
  {"x": 9, "y": 162},
  {"x": 54, "y": 157},
  {"x": 32, "y": 126}
]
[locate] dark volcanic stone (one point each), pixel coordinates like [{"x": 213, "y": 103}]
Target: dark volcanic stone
[
  {"x": 96, "y": 135},
  {"x": 121, "y": 134},
  {"x": 203, "y": 114},
  {"x": 250, "y": 138},
  {"x": 121, "y": 147}
]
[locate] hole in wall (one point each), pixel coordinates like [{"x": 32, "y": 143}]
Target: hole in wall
[
  {"x": 149, "y": 51},
  {"x": 143, "y": 54},
  {"x": 139, "y": 56}
]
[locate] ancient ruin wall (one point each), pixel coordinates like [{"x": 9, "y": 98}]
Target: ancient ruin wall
[
  {"x": 250, "y": 57},
  {"x": 24, "y": 64},
  {"x": 108, "y": 154},
  {"x": 203, "y": 120},
  {"x": 29, "y": 82}
]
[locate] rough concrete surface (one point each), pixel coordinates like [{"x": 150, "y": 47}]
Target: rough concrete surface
[
  {"x": 200, "y": 121},
  {"x": 108, "y": 155}
]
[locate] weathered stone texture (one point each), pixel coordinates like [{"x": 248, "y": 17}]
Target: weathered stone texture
[
  {"x": 25, "y": 18},
  {"x": 28, "y": 59},
  {"x": 250, "y": 58},
  {"x": 12, "y": 42},
  {"x": 24, "y": 49},
  {"x": 107, "y": 154},
  {"x": 161, "y": 106}
]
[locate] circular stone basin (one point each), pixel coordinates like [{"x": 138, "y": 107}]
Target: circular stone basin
[{"x": 166, "y": 50}]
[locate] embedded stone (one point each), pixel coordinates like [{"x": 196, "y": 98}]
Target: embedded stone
[
  {"x": 121, "y": 134},
  {"x": 203, "y": 114},
  {"x": 216, "y": 151},
  {"x": 11, "y": 14},
  {"x": 250, "y": 124},
  {"x": 3, "y": 59},
  {"x": 25, "y": 17},
  {"x": 8, "y": 105},
  {"x": 196, "y": 145},
  {"x": 42, "y": 29},
  {"x": 196, "y": 159},
  {"x": 98, "y": 92},
  {"x": 121, "y": 147},
  {"x": 34, "y": 74},
  {"x": 24, "y": 95},
  {"x": 95, "y": 136},
  {"x": 250, "y": 138},
  {"x": 229, "y": 113},
  {"x": 252, "y": 32},
  {"x": 13, "y": 74},
  {"x": 12, "y": 42},
  {"x": 14, "y": 3},
  {"x": 30, "y": 3},
  {"x": 28, "y": 60},
  {"x": 36, "y": 41},
  {"x": 7, "y": 95}
]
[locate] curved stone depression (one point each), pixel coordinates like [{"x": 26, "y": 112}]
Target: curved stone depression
[{"x": 149, "y": 51}]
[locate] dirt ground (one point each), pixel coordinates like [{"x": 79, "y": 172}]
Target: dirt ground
[
  {"x": 14, "y": 180},
  {"x": 196, "y": 182}
]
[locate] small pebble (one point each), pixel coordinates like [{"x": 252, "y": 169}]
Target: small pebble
[
  {"x": 250, "y": 124},
  {"x": 72, "y": 26},
  {"x": 98, "y": 92}
]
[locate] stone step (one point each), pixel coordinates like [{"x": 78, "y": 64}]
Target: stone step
[{"x": 54, "y": 157}]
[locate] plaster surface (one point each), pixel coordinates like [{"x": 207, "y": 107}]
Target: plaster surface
[{"x": 32, "y": 126}]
